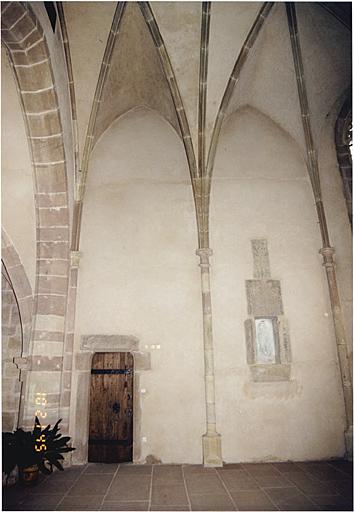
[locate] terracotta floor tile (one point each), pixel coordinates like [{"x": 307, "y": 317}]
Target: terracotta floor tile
[
  {"x": 71, "y": 503},
  {"x": 130, "y": 488},
  {"x": 313, "y": 487},
  {"x": 211, "y": 502},
  {"x": 260, "y": 469},
  {"x": 333, "y": 503},
  {"x": 238, "y": 481},
  {"x": 91, "y": 485},
  {"x": 97, "y": 468},
  {"x": 173, "y": 494},
  {"x": 252, "y": 500},
  {"x": 42, "y": 502},
  {"x": 290, "y": 498},
  {"x": 272, "y": 481},
  {"x": 206, "y": 484},
  {"x": 125, "y": 505}
]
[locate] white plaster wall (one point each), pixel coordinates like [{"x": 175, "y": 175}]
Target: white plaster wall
[
  {"x": 17, "y": 198},
  {"x": 139, "y": 274},
  {"x": 261, "y": 190}
]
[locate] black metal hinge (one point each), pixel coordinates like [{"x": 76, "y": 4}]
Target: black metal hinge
[{"x": 111, "y": 371}]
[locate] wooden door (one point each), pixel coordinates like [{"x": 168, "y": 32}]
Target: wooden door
[{"x": 111, "y": 408}]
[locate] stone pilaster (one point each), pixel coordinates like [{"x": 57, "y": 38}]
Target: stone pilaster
[
  {"x": 342, "y": 349},
  {"x": 211, "y": 439}
]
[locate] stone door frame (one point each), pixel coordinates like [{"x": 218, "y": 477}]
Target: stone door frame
[{"x": 79, "y": 424}]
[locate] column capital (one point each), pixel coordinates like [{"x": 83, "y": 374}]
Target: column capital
[
  {"x": 75, "y": 257},
  {"x": 22, "y": 363},
  {"x": 204, "y": 254},
  {"x": 327, "y": 253}
]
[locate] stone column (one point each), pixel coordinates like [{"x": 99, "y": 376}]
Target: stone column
[
  {"x": 65, "y": 392},
  {"x": 328, "y": 263},
  {"x": 211, "y": 439}
]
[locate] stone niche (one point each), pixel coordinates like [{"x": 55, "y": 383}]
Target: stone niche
[{"x": 266, "y": 328}]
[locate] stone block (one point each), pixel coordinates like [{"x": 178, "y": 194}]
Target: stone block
[
  {"x": 36, "y": 54},
  {"x": 23, "y": 30},
  {"x": 40, "y": 102},
  {"x": 212, "y": 450},
  {"x": 48, "y": 150},
  {"x": 68, "y": 362},
  {"x": 20, "y": 281},
  {"x": 34, "y": 78},
  {"x": 52, "y": 234},
  {"x": 45, "y": 124},
  {"x": 53, "y": 284},
  {"x": 15, "y": 345},
  {"x": 45, "y": 348},
  {"x": 270, "y": 372},
  {"x": 46, "y": 363},
  {"x": 83, "y": 361},
  {"x": 51, "y": 178},
  {"x": 142, "y": 360},
  {"x": 261, "y": 266},
  {"x": 10, "y": 256},
  {"x": 52, "y": 201},
  {"x": 11, "y": 15},
  {"x": 48, "y": 336},
  {"x": 53, "y": 249},
  {"x": 67, "y": 380},
  {"x": 108, "y": 342},
  {"x": 9, "y": 420},
  {"x": 26, "y": 308},
  {"x": 52, "y": 267},
  {"x": 49, "y": 322},
  {"x": 51, "y": 305},
  {"x": 69, "y": 342},
  {"x": 65, "y": 398},
  {"x": 250, "y": 337},
  {"x": 264, "y": 297}
]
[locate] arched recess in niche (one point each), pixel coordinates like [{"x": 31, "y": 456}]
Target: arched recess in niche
[
  {"x": 139, "y": 275},
  {"x": 343, "y": 139},
  {"x": 17, "y": 311},
  {"x": 261, "y": 190}
]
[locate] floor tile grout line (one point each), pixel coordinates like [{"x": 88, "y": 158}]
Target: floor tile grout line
[
  {"x": 71, "y": 486},
  {"x": 250, "y": 474},
  {"x": 110, "y": 485},
  {"x": 185, "y": 487},
  {"x": 150, "y": 493},
  {"x": 227, "y": 490}
]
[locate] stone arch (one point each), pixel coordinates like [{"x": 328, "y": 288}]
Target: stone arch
[
  {"x": 17, "y": 311},
  {"x": 21, "y": 287},
  {"x": 28, "y": 53},
  {"x": 343, "y": 125}
]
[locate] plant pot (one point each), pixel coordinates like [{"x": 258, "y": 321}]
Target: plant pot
[{"x": 29, "y": 476}]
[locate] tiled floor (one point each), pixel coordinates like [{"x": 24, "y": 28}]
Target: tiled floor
[{"x": 280, "y": 486}]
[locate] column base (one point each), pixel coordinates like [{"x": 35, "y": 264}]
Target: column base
[
  {"x": 348, "y": 435},
  {"x": 212, "y": 450}
]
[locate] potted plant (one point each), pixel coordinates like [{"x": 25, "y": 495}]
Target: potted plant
[{"x": 34, "y": 451}]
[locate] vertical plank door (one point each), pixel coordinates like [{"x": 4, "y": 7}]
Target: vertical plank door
[{"x": 111, "y": 408}]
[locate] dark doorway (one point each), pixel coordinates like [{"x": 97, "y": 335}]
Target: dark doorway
[{"x": 111, "y": 408}]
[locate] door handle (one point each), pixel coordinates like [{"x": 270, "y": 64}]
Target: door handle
[{"x": 116, "y": 407}]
